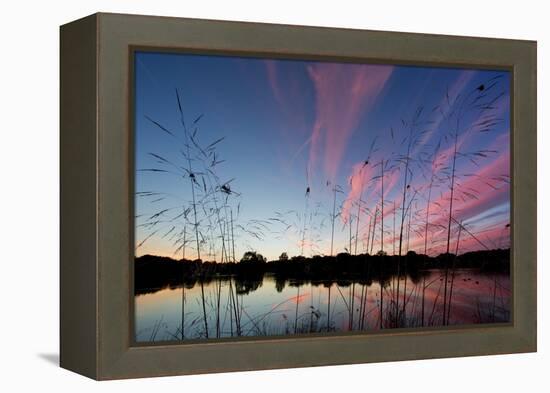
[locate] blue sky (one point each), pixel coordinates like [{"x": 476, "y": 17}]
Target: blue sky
[{"x": 289, "y": 125}]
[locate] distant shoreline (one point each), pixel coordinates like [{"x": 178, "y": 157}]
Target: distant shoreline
[{"x": 157, "y": 272}]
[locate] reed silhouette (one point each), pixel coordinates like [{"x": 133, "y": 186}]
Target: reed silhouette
[{"x": 205, "y": 221}]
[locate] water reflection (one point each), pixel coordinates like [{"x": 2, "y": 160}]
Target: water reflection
[{"x": 230, "y": 307}]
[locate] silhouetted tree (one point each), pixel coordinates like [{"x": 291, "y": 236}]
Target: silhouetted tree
[{"x": 253, "y": 257}]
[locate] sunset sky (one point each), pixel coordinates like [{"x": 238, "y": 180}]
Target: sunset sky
[{"x": 289, "y": 125}]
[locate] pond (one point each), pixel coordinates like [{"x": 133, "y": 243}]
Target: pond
[{"x": 225, "y": 307}]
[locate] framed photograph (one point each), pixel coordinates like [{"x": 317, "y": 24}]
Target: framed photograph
[{"x": 240, "y": 196}]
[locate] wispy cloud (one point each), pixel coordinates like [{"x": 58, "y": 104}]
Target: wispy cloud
[
  {"x": 489, "y": 192},
  {"x": 343, "y": 93},
  {"x": 447, "y": 103}
]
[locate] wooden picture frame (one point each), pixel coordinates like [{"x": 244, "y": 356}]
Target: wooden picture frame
[{"x": 97, "y": 201}]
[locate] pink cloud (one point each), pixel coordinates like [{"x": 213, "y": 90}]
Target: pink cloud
[
  {"x": 446, "y": 104},
  {"x": 344, "y": 93},
  {"x": 272, "y": 78},
  {"x": 488, "y": 192},
  {"x": 359, "y": 180},
  {"x": 444, "y": 157}
]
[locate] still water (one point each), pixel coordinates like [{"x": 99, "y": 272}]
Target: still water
[{"x": 272, "y": 307}]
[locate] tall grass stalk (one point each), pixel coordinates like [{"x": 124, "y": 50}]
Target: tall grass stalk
[
  {"x": 453, "y": 272},
  {"x": 232, "y": 237},
  {"x": 350, "y": 235},
  {"x": 403, "y": 214},
  {"x": 426, "y": 226},
  {"x": 406, "y": 263},
  {"x": 296, "y": 313},
  {"x": 183, "y": 285},
  {"x": 352, "y": 301},
  {"x": 333, "y": 219},
  {"x": 373, "y": 229},
  {"x": 359, "y": 208},
  {"x": 453, "y": 171},
  {"x": 196, "y": 224},
  {"x": 328, "y": 308},
  {"x": 382, "y": 208},
  {"x": 218, "y": 299},
  {"x": 368, "y": 232}
]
